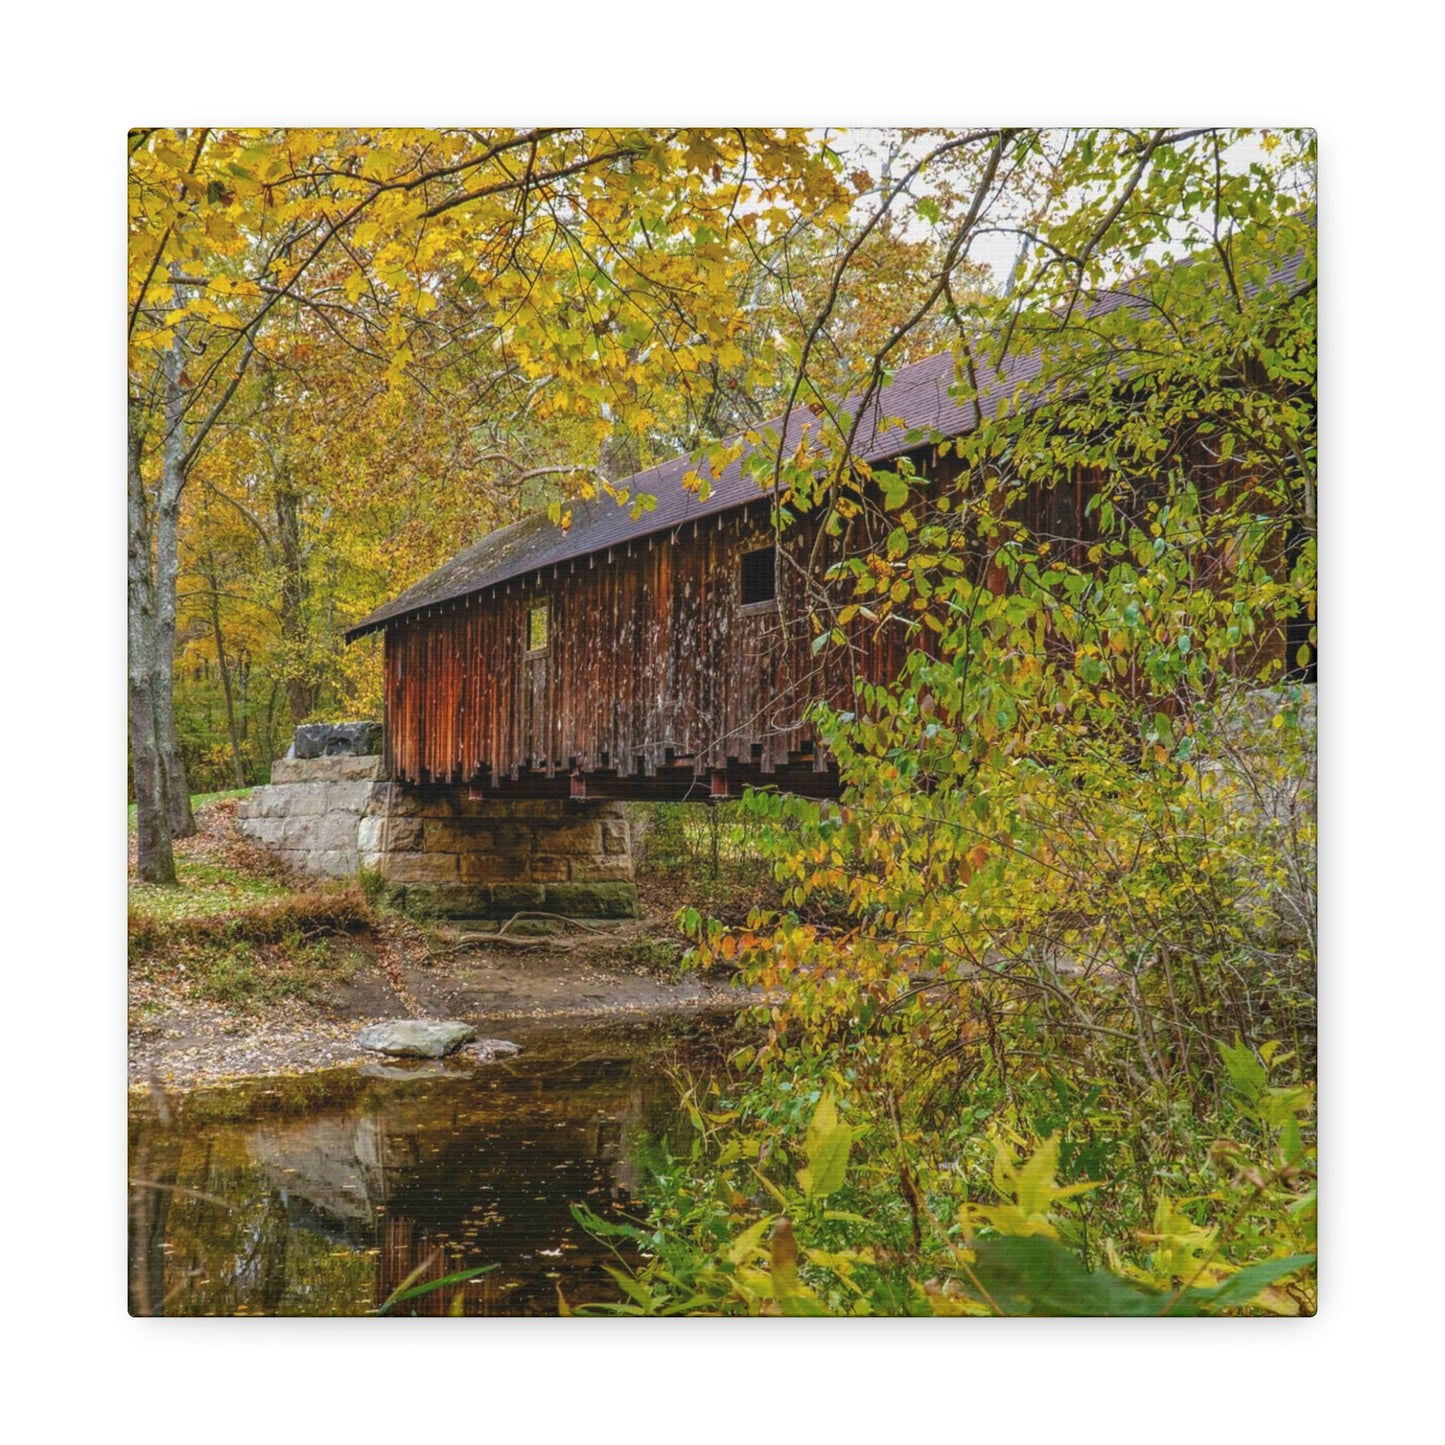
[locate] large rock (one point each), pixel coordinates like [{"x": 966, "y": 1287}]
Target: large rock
[
  {"x": 337, "y": 740},
  {"x": 416, "y": 1038}
]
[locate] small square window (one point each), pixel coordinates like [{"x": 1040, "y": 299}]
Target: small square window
[
  {"x": 760, "y": 578},
  {"x": 537, "y": 628}
]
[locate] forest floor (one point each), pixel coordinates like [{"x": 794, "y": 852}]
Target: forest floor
[{"x": 213, "y": 999}]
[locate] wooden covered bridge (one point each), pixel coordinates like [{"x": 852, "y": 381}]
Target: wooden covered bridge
[
  {"x": 668, "y": 655},
  {"x": 664, "y": 657}
]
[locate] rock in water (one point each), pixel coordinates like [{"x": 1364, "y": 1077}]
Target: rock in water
[
  {"x": 490, "y": 1050},
  {"x": 416, "y": 1038}
]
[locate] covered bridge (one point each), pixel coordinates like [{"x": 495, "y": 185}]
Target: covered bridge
[{"x": 668, "y": 655}]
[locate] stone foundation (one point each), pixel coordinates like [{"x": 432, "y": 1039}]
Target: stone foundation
[
  {"x": 445, "y": 854},
  {"x": 439, "y": 852},
  {"x": 309, "y": 812}
]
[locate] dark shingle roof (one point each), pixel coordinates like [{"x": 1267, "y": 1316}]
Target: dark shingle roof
[
  {"x": 916, "y": 405},
  {"x": 918, "y": 399}
]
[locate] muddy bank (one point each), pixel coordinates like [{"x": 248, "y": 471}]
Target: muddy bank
[{"x": 178, "y": 1042}]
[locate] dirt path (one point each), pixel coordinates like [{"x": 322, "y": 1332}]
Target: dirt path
[{"x": 180, "y": 1043}]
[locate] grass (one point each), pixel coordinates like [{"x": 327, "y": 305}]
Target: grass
[
  {"x": 204, "y": 888},
  {"x": 247, "y": 975},
  {"x": 306, "y": 914},
  {"x": 236, "y": 928},
  {"x": 198, "y": 800}
]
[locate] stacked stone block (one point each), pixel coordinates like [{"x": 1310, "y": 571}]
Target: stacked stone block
[
  {"x": 440, "y": 851},
  {"x": 309, "y": 812},
  {"x": 445, "y": 853}
]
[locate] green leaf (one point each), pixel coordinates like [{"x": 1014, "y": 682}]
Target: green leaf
[
  {"x": 1244, "y": 1285},
  {"x": 601, "y": 1228},
  {"x": 828, "y": 1144},
  {"x": 1031, "y": 1275},
  {"x": 632, "y": 1289},
  {"x": 749, "y": 1242},
  {"x": 895, "y": 490},
  {"x": 1245, "y": 1071},
  {"x": 460, "y": 1277},
  {"x": 830, "y": 1166}
]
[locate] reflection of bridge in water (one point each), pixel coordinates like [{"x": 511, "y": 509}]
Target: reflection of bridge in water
[{"x": 421, "y": 1176}]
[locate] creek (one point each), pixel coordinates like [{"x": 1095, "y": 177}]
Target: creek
[{"x": 324, "y": 1194}]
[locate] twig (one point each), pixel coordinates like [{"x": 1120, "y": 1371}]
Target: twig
[{"x": 181, "y": 1189}]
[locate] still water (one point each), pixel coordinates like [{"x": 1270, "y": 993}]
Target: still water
[{"x": 322, "y": 1195}]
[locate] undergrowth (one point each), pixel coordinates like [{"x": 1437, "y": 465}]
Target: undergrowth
[{"x": 237, "y": 928}]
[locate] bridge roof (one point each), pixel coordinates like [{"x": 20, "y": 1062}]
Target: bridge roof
[{"x": 919, "y": 404}]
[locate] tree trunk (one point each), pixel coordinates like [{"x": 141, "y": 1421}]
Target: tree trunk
[
  {"x": 163, "y": 800},
  {"x": 168, "y": 561},
  {"x": 155, "y": 861},
  {"x": 300, "y": 694},
  {"x": 220, "y": 640}
]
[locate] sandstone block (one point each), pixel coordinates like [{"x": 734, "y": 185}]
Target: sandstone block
[
  {"x": 418, "y": 867},
  {"x": 614, "y": 835},
  {"x": 370, "y": 832},
  {"x": 271, "y": 802},
  {"x": 543, "y": 869},
  {"x": 333, "y": 831},
  {"x": 376, "y": 833},
  {"x": 332, "y": 863},
  {"x": 388, "y": 798},
  {"x": 592, "y": 900},
  {"x": 600, "y": 870},
  {"x": 529, "y": 809},
  {"x": 584, "y": 836},
  {"x": 446, "y": 900},
  {"x": 350, "y": 795},
  {"x": 513, "y": 897},
  {"x": 305, "y": 800},
  {"x": 491, "y": 867},
  {"x": 327, "y": 770},
  {"x": 285, "y": 770},
  {"x": 265, "y": 831},
  {"x": 296, "y": 832},
  {"x": 457, "y": 834},
  {"x": 300, "y": 770}
]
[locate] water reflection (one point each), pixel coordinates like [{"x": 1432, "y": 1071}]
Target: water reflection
[{"x": 321, "y": 1196}]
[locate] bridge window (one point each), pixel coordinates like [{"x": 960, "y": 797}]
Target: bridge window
[
  {"x": 760, "y": 578},
  {"x": 537, "y": 628}
]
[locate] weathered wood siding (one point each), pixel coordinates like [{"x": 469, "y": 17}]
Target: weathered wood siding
[
  {"x": 654, "y": 668},
  {"x": 652, "y": 661}
]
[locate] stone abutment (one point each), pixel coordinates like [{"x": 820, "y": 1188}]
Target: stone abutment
[{"x": 438, "y": 851}]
